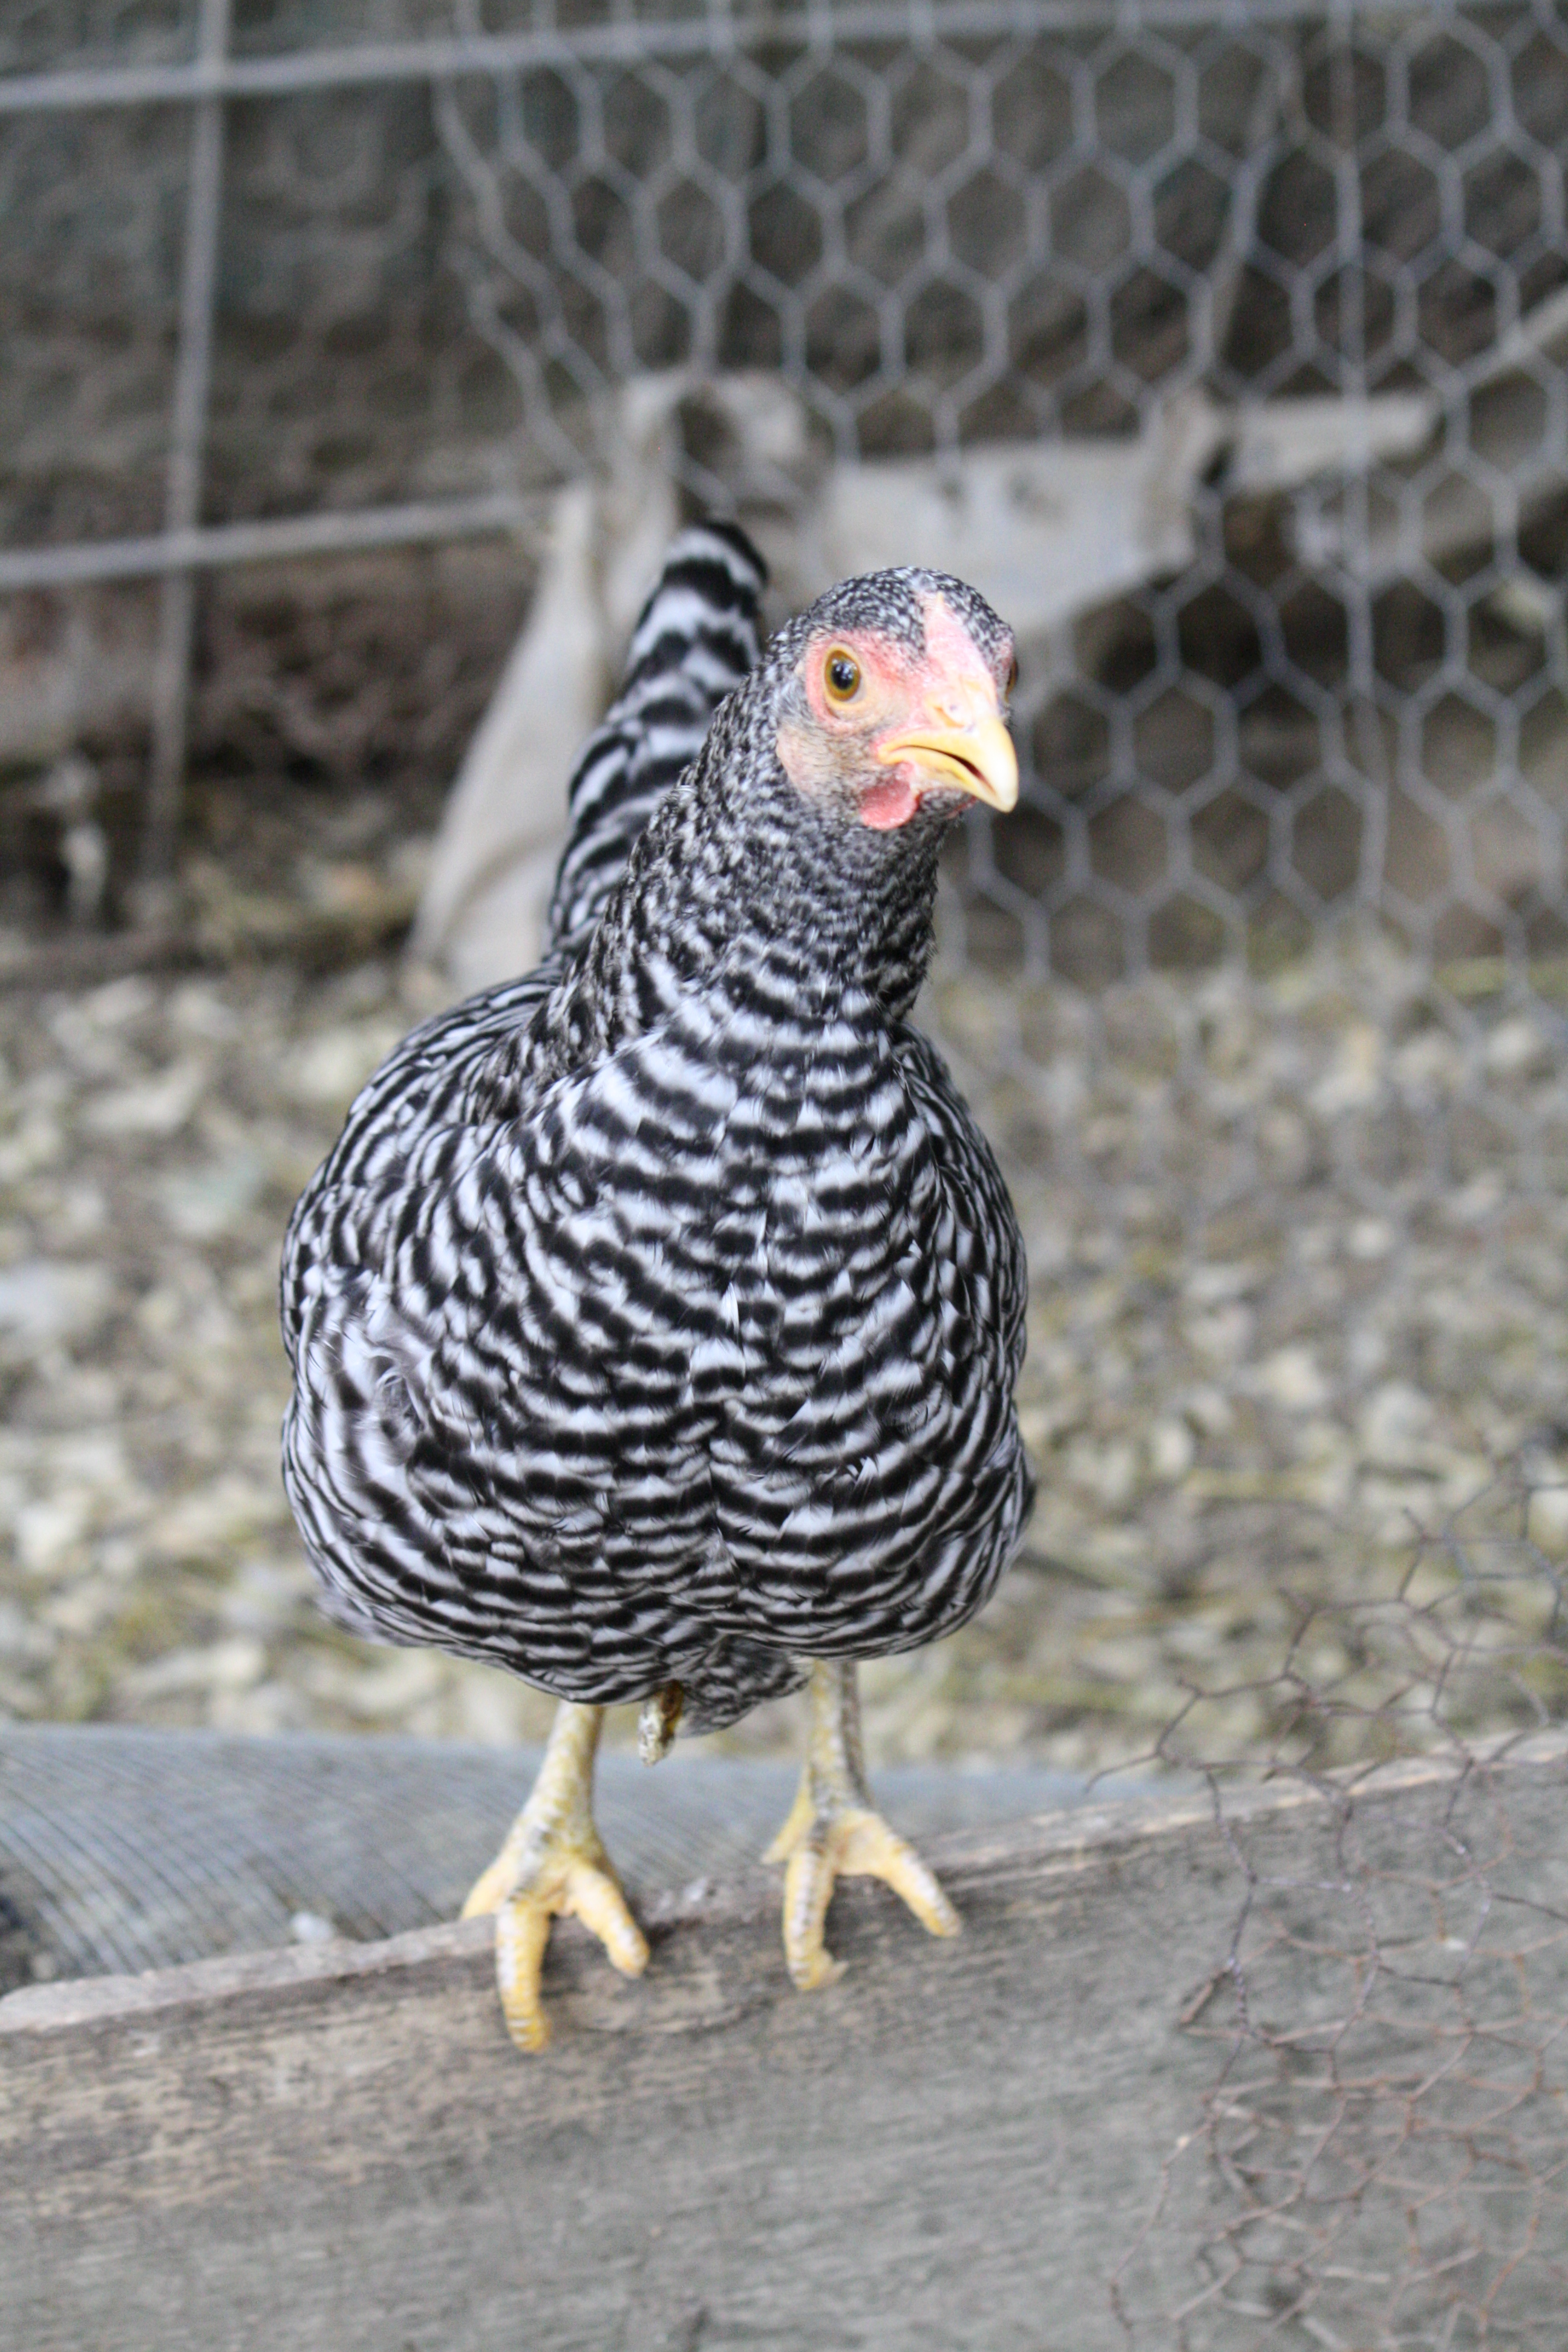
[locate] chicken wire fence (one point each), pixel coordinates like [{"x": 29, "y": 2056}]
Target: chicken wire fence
[
  {"x": 276, "y": 288},
  {"x": 1381, "y": 2158},
  {"x": 311, "y": 308}
]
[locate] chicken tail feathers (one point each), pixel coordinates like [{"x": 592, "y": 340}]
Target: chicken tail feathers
[{"x": 696, "y": 640}]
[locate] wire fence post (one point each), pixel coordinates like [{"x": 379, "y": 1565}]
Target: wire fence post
[{"x": 176, "y": 606}]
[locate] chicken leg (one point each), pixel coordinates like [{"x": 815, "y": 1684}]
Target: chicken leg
[
  {"x": 554, "y": 1862},
  {"x": 833, "y": 1831}
]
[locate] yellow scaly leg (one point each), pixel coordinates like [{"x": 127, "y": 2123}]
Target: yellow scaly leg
[
  {"x": 833, "y": 1831},
  {"x": 554, "y": 1864}
]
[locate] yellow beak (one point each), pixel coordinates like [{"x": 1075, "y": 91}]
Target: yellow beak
[{"x": 977, "y": 759}]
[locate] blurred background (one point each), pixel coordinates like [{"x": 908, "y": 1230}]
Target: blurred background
[{"x": 1224, "y": 346}]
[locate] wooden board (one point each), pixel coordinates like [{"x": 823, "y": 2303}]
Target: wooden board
[{"x": 336, "y": 2148}]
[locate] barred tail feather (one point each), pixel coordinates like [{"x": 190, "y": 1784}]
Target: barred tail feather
[{"x": 696, "y": 640}]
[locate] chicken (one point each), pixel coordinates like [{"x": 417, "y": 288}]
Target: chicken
[{"x": 655, "y": 1320}]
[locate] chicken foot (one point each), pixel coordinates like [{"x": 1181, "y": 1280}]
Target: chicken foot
[
  {"x": 833, "y": 1831},
  {"x": 554, "y": 1864}
]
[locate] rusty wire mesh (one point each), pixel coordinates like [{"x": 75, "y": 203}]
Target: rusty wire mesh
[
  {"x": 1261, "y": 992},
  {"x": 1382, "y": 2158}
]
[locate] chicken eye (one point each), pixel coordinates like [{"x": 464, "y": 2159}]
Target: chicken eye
[
  {"x": 841, "y": 675},
  {"x": 1012, "y": 674}
]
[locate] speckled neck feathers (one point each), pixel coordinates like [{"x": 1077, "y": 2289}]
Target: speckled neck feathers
[{"x": 741, "y": 887}]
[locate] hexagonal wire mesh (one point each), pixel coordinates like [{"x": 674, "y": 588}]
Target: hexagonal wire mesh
[{"x": 1261, "y": 991}]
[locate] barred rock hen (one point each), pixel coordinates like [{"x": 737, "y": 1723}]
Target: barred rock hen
[{"x": 655, "y": 1319}]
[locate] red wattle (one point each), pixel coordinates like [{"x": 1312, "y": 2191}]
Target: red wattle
[{"x": 888, "y": 804}]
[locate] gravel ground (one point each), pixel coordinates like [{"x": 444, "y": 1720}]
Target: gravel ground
[{"x": 1300, "y": 1293}]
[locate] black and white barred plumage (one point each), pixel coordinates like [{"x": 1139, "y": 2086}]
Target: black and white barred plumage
[{"x": 656, "y": 1318}]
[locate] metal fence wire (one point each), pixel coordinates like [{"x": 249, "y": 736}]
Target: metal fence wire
[
  {"x": 1381, "y": 2160},
  {"x": 290, "y": 295},
  {"x": 1262, "y": 991}
]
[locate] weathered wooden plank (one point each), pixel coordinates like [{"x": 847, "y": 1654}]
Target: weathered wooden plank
[
  {"x": 123, "y": 1849},
  {"x": 336, "y": 2148}
]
